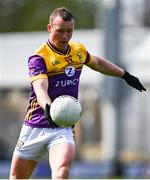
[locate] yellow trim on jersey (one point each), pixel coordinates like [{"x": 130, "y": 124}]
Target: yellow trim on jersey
[
  {"x": 91, "y": 59},
  {"x": 39, "y": 76},
  {"x": 33, "y": 106}
]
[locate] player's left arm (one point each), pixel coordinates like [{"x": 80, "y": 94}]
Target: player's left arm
[{"x": 108, "y": 68}]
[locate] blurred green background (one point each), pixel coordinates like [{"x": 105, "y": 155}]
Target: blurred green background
[{"x": 32, "y": 15}]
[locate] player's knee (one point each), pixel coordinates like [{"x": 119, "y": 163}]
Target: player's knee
[
  {"x": 13, "y": 175},
  {"x": 62, "y": 173}
]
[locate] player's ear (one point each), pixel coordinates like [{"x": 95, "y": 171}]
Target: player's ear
[{"x": 49, "y": 28}]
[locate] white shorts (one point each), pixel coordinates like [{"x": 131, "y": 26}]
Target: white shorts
[{"x": 34, "y": 142}]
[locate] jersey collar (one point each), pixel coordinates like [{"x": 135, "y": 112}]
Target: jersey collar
[{"x": 58, "y": 51}]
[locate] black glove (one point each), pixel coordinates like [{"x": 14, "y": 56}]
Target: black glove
[
  {"x": 48, "y": 117},
  {"x": 133, "y": 81}
]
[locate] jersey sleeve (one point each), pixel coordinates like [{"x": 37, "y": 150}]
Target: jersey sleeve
[
  {"x": 37, "y": 68},
  {"x": 88, "y": 58},
  {"x": 86, "y": 54}
]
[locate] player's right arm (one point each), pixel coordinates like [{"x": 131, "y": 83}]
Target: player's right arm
[
  {"x": 39, "y": 79},
  {"x": 41, "y": 87}
]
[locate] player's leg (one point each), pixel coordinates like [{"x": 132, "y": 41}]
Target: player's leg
[
  {"x": 60, "y": 158},
  {"x": 21, "y": 168},
  {"x": 30, "y": 147},
  {"x": 61, "y": 152}
]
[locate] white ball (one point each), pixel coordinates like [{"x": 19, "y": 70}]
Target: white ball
[{"x": 65, "y": 111}]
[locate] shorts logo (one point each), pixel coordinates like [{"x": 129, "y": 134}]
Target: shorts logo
[
  {"x": 70, "y": 71},
  {"x": 19, "y": 144}
]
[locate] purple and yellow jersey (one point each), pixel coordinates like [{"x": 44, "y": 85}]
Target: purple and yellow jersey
[{"x": 62, "y": 71}]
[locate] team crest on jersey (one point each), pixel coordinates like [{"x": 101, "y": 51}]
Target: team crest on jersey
[
  {"x": 70, "y": 71},
  {"x": 19, "y": 144},
  {"x": 79, "y": 54},
  {"x": 69, "y": 59}
]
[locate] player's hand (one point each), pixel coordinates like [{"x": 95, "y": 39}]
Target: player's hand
[
  {"x": 48, "y": 117},
  {"x": 133, "y": 81}
]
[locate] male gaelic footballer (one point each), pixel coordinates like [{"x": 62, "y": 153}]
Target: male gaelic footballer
[{"x": 54, "y": 70}]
